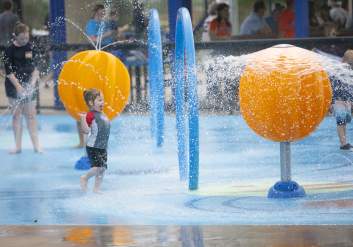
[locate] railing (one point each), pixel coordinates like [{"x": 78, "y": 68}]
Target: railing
[{"x": 137, "y": 67}]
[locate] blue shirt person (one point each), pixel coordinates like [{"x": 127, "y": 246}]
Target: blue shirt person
[
  {"x": 255, "y": 24},
  {"x": 97, "y": 26}
]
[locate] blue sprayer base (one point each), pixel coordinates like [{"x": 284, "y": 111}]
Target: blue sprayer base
[
  {"x": 286, "y": 189},
  {"x": 83, "y": 163}
]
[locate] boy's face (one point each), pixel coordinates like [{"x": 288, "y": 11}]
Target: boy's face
[
  {"x": 98, "y": 103},
  {"x": 22, "y": 38}
]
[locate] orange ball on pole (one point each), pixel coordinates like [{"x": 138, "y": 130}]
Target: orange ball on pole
[
  {"x": 284, "y": 93},
  {"x": 94, "y": 69}
]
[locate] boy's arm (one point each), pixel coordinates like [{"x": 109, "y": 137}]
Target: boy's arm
[
  {"x": 83, "y": 123},
  {"x": 10, "y": 73},
  {"x": 15, "y": 82}
]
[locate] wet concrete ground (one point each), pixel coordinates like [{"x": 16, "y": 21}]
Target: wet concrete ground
[{"x": 41, "y": 203}]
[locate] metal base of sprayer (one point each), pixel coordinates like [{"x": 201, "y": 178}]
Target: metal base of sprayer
[{"x": 286, "y": 189}]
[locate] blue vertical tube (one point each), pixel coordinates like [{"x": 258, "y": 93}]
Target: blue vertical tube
[
  {"x": 173, "y": 6},
  {"x": 155, "y": 74},
  {"x": 301, "y": 18},
  {"x": 193, "y": 105},
  {"x": 185, "y": 64},
  {"x": 58, "y": 36},
  {"x": 179, "y": 100}
]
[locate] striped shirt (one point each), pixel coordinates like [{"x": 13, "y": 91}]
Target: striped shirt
[{"x": 99, "y": 130}]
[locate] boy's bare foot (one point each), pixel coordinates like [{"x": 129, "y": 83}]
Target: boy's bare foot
[
  {"x": 83, "y": 183},
  {"x": 38, "y": 150},
  {"x": 15, "y": 151},
  {"x": 97, "y": 192}
]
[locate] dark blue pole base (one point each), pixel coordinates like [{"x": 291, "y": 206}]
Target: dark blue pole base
[
  {"x": 83, "y": 163},
  {"x": 286, "y": 189}
]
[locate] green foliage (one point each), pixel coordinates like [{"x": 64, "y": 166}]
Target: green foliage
[
  {"x": 35, "y": 12},
  {"x": 162, "y": 7}
]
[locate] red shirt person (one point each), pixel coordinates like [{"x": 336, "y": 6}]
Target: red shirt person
[
  {"x": 286, "y": 21},
  {"x": 220, "y": 27}
]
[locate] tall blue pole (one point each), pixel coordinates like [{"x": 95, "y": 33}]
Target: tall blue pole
[
  {"x": 155, "y": 74},
  {"x": 179, "y": 103},
  {"x": 301, "y": 18},
  {"x": 185, "y": 72},
  {"x": 173, "y": 6},
  {"x": 58, "y": 36}
]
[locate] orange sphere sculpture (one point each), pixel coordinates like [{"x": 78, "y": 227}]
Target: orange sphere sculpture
[
  {"x": 94, "y": 69},
  {"x": 284, "y": 93}
]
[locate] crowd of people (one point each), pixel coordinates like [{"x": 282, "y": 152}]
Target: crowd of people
[{"x": 326, "y": 19}]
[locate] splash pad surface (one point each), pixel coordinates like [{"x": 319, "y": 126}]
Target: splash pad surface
[{"x": 142, "y": 187}]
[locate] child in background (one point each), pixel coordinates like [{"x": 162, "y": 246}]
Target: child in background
[
  {"x": 342, "y": 101},
  {"x": 20, "y": 85},
  {"x": 96, "y": 124}
]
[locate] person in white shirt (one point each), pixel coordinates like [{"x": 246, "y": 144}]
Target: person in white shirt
[
  {"x": 339, "y": 15},
  {"x": 212, "y": 14}
]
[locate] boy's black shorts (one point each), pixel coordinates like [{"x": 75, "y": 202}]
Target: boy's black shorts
[{"x": 97, "y": 157}]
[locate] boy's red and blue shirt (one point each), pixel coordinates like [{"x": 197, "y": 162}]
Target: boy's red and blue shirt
[{"x": 99, "y": 129}]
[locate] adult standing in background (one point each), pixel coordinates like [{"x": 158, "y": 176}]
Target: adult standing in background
[
  {"x": 339, "y": 15},
  {"x": 255, "y": 26},
  {"x": 20, "y": 85},
  {"x": 8, "y": 20},
  {"x": 211, "y": 15},
  {"x": 286, "y": 21},
  {"x": 220, "y": 27},
  {"x": 98, "y": 26},
  {"x": 139, "y": 19},
  {"x": 272, "y": 20}
]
